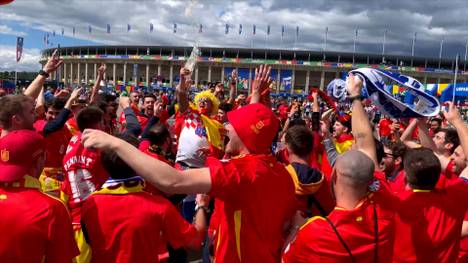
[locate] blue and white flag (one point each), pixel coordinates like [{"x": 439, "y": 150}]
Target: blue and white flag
[
  {"x": 254, "y": 29},
  {"x": 108, "y": 28},
  {"x": 336, "y": 89},
  {"x": 151, "y": 27},
  {"x": 240, "y": 29},
  {"x": 129, "y": 27},
  {"x": 226, "y": 30},
  {"x": 268, "y": 30},
  {"x": 175, "y": 28},
  {"x": 374, "y": 87}
]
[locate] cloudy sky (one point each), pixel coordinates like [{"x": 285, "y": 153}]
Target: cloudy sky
[{"x": 432, "y": 20}]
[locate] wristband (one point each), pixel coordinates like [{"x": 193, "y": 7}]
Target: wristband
[
  {"x": 357, "y": 97},
  {"x": 43, "y": 73},
  {"x": 204, "y": 208}
]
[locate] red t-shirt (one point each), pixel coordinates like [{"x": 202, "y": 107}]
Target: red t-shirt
[
  {"x": 84, "y": 174},
  {"x": 258, "y": 199},
  {"x": 129, "y": 227},
  {"x": 34, "y": 226},
  {"x": 56, "y": 144},
  {"x": 384, "y": 127},
  {"x": 316, "y": 241},
  {"x": 463, "y": 255},
  {"x": 429, "y": 223}
]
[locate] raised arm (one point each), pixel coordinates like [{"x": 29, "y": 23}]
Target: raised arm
[
  {"x": 453, "y": 116},
  {"x": 261, "y": 85},
  {"x": 424, "y": 137},
  {"x": 97, "y": 83},
  {"x": 406, "y": 135},
  {"x": 360, "y": 124},
  {"x": 182, "y": 89},
  {"x": 159, "y": 174},
  {"x": 233, "y": 87},
  {"x": 52, "y": 65}
]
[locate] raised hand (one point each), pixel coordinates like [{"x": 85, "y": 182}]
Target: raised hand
[
  {"x": 262, "y": 81},
  {"x": 452, "y": 115},
  {"x": 102, "y": 69},
  {"x": 353, "y": 85},
  {"x": 75, "y": 94},
  {"x": 124, "y": 102},
  {"x": 158, "y": 109},
  {"x": 97, "y": 139},
  {"x": 53, "y": 63},
  {"x": 185, "y": 79}
]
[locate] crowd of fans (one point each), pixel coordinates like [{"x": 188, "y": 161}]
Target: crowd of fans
[{"x": 227, "y": 177}]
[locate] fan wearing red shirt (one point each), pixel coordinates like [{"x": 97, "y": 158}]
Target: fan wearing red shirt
[
  {"x": 34, "y": 226},
  {"x": 57, "y": 137},
  {"x": 251, "y": 228},
  {"x": 429, "y": 219},
  {"x": 360, "y": 228},
  {"x": 122, "y": 223},
  {"x": 84, "y": 173}
]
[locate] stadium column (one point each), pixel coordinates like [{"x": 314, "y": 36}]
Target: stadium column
[
  {"x": 322, "y": 79},
  {"x": 159, "y": 70},
  {"x": 65, "y": 74},
  {"x": 114, "y": 69},
  {"x": 71, "y": 73},
  {"x": 278, "y": 81},
  {"x": 86, "y": 73},
  {"x": 95, "y": 71},
  {"x": 425, "y": 79},
  {"x": 222, "y": 74},
  {"x": 147, "y": 75},
  {"x": 78, "y": 76},
  {"x": 209, "y": 73},
  {"x": 293, "y": 79},
  {"x": 125, "y": 73},
  {"x": 171, "y": 74},
  {"x": 307, "y": 82}
]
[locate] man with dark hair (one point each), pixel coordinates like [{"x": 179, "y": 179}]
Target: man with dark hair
[
  {"x": 16, "y": 113},
  {"x": 57, "y": 136},
  {"x": 307, "y": 180},
  {"x": 422, "y": 169},
  {"x": 83, "y": 172},
  {"x": 443, "y": 144},
  {"x": 392, "y": 160},
  {"x": 148, "y": 105},
  {"x": 342, "y": 133},
  {"x": 146, "y": 218},
  {"x": 429, "y": 219}
]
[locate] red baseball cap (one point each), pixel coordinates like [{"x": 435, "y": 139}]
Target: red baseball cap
[
  {"x": 256, "y": 126},
  {"x": 19, "y": 152}
]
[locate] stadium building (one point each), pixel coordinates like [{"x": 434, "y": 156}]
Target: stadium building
[{"x": 294, "y": 71}]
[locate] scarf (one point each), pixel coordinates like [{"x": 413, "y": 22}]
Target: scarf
[{"x": 374, "y": 88}]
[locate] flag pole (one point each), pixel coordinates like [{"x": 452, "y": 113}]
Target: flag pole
[{"x": 455, "y": 78}]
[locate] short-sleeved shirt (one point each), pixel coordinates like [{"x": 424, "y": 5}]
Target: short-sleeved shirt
[
  {"x": 429, "y": 223},
  {"x": 128, "y": 227},
  {"x": 33, "y": 225},
  {"x": 192, "y": 139},
  {"x": 56, "y": 144},
  {"x": 258, "y": 198},
  {"x": 83, "y": 173},
  {"x": 316, "y": 241}
]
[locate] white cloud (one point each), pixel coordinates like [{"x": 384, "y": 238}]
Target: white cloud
[
  {"x": 9, "y": 31},
  {"x": 29, "y": 61}
]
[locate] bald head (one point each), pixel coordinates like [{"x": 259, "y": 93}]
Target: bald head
[{"x": 355, "y": 169}]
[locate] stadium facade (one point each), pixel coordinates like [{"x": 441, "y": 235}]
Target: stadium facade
[{"x": 294, "y": 71}]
